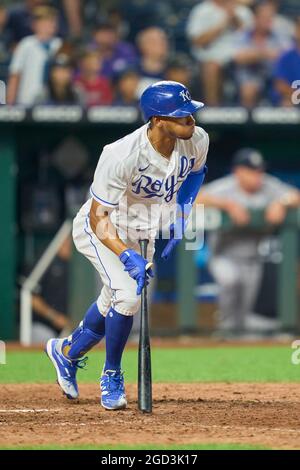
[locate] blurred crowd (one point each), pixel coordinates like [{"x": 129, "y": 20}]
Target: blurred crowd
[{"x": 92, "y": 52}]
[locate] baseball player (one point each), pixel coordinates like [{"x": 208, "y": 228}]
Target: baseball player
[
  {"x": 236, "y": 263},
  {"x": 159, "y": 164}
]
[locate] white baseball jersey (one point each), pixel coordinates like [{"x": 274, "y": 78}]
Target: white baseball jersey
[{"x": 135, "y": 182}]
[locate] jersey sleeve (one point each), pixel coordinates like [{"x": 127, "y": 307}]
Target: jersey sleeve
[
  {"x": 110, "y": 180},
  {"x": 201, "y": 145}
]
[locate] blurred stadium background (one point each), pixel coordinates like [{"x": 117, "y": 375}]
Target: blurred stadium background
[{"x": 79, "y": 91}]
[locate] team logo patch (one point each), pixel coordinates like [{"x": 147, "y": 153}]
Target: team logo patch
[{"x": 185, "y": 95}]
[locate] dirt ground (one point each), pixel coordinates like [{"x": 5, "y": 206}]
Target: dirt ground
[{"x": 264, "y": 414}]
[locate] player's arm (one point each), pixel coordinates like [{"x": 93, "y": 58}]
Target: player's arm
[
  {"x": 190, "y": 189},
  {"x": 103, "y": 228},
  {"x": 137, "y": 267},
  {"x": 185, "y": 199},
  {"x": 188, "y": 192}
]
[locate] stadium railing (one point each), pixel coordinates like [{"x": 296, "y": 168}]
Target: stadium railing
[{"x": 33, "y": 279}]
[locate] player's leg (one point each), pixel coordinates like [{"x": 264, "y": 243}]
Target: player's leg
[
  {"x": 67, "y": 355},
  {"x": 118, "y": 325},
  {"x": 125, "y": 303},
  {"x": 118, "y": 302}
]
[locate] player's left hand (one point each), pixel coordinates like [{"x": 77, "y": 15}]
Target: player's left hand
[
  {"x": 137, "y": 267},
  {"x": 176, "y": 235}
]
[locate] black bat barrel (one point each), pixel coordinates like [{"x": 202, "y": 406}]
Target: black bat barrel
[{"x": 144, "y": 360}]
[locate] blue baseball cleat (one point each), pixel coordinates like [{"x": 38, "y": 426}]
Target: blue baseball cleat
[
  {"x": 65, "y": 369},
  {"x": 113, "y": 395}
]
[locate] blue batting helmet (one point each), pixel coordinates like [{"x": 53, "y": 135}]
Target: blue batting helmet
[{"x": 168, "y": 98}]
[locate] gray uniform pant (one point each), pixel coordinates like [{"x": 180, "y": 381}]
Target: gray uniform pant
[{"x": 238, "y": 281}]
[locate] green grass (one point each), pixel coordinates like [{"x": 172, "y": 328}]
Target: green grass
[
  {"x": 228, "y": 364},
  {"x": 141, "y": 447}
]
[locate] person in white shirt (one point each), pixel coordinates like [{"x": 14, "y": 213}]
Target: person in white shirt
[
  {"x": 256, "y": 53},
  {"x": 211, "y": 29},
  {"x": 159, "y": 165},
  {"x": 28, "y": 68}
]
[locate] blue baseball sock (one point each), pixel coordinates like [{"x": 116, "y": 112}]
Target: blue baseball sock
[
  {"x": 117, "y": 330},
  {"x": 89, "y": 332}
]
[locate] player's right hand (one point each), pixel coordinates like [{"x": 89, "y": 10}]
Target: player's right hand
[{"x": 136, "y": 266}]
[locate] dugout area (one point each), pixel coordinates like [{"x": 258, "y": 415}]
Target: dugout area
[{"x": 34, "y": 170}]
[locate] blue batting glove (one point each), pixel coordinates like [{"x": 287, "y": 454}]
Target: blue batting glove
[
  {"x": 135, "y": 265},
  {"x": 176, "y": 233}
]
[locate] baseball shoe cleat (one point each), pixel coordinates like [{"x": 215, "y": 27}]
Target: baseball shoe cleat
[
  {"x": 113, "y": 395},
  {"x": 65, "y": 368}
]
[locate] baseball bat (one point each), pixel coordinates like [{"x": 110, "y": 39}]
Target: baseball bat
[{"x": 144, "y": 357}]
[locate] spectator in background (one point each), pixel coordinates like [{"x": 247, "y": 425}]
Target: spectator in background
[
  {"x": 179, "y": 69},
  {"x": 116, "y": 19},
  {"x": 126, "y": 84},
  {"x": 20, "y": 18},
  {"x": 59, "y": 89},
  {"x": 154, "y": 50},
  {"x": 28, "y": 69},
  {"x": 256, "y": 53},
  {"x": 236, "y": 264},
  {"x": 144, "y": 14},
  {"x": 287, "y": 71},
  {"x": 211, "y": 29},
  {"x": 95, "y": 88},
  {"x": 116, "y": 54},
  {"x": 4, "y": 41},
  {"x": 50, "y": 299},
  {"x": 282, "y": 25}
]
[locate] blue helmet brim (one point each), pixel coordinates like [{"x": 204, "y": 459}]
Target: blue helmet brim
[{"x": 186, "y": 110}]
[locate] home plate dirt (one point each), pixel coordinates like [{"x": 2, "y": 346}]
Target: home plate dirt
[{"x": 259, "y": 414}]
